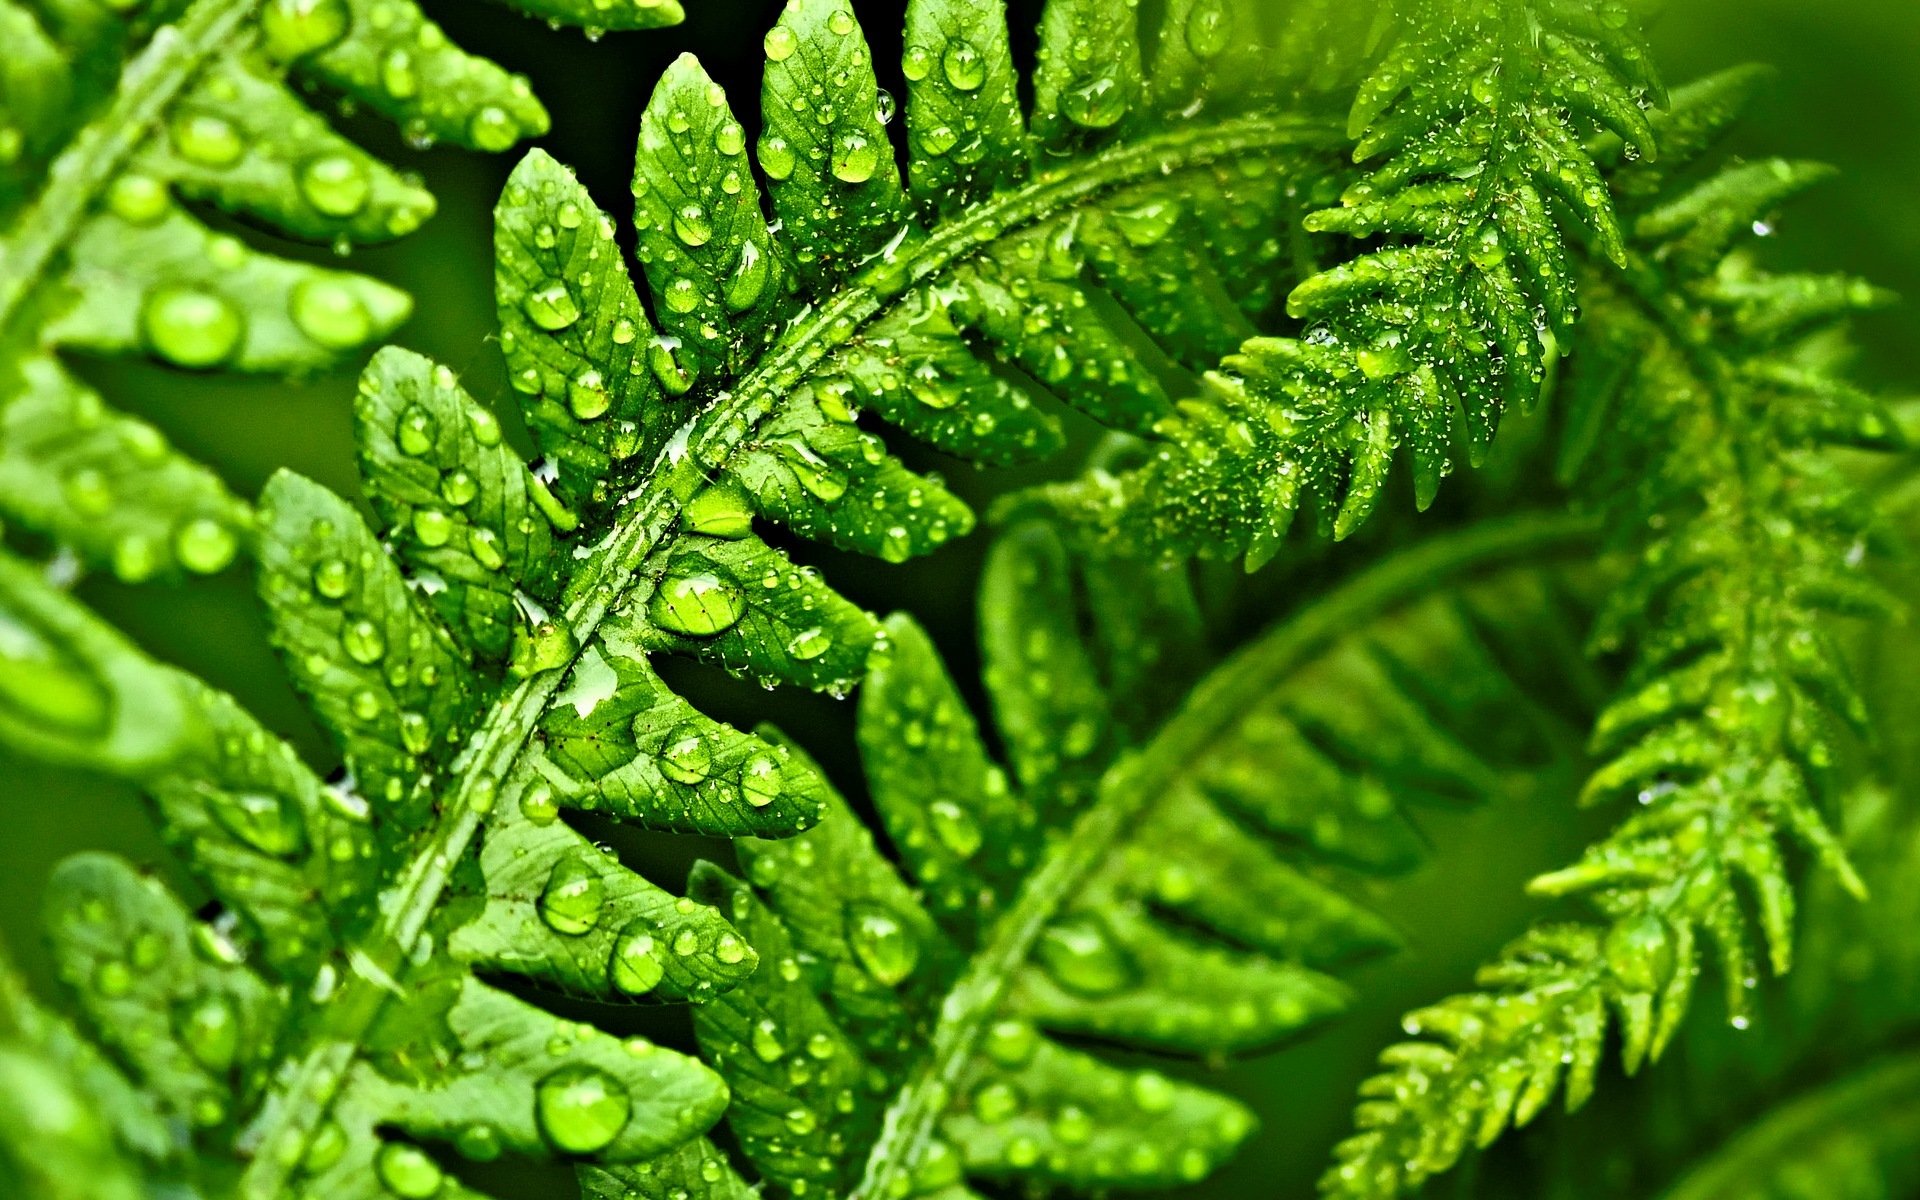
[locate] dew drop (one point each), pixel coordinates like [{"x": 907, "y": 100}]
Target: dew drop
[
  {"x": 721, "y": 511},
  {"x": 336, "y": 185},
  {"x": 963, "y": 65},
  {"x": 855, "y": 158},
  {"x": 809, "y": 644},
  {"x": 331, "y": 312},
  {"x": 292, "y": 29},
  {"x": 697, "y": 605},
  {"x": 761, "y": 780},
  {"x": 885, "y": 947},
  {"x": 269, "y": 823},
  {"x": 190, "y": 326},
  {"x": 572, "y": 901},
  {"x": 203, "y": 545},
  {"x": 955, "y": 828},
  {"x": 1081, "y": 956},
  {"x": 407, "y": 1172},
  {"x": 363, "y": 643},
  {"x": 206, "y": 139},
  {"x": 635, "y": 965},
  {"x": 780, "y": 43},
  {"x": 551, "y": 307}
]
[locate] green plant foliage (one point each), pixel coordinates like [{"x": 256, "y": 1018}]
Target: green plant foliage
[
  {"x": 905, "y": 1031},
  {"x": 121, "y": 123},
  {"x": 1159, "y": 859},
  {"x": 1474, "y": 175},
  {"x": 1746, "y": 543}
]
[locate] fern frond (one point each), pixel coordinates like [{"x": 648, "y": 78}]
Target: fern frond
[
  {"x": 120, "y": 125},
  {"x": 1475, "y": 178},
  {"x": 908, "y": 1031},
  {"x": 1852, "y": 1139},
  {"x": 1747, "y": 543},
  {"x": 485, "y": 660}
]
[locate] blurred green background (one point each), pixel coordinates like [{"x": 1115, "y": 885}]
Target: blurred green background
[{"x": 1848, "y": 93}]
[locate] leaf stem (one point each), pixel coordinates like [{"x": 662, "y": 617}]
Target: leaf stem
[
  {"x": 1138, "y": 779},
  {"x": 300, "y": 1097}
]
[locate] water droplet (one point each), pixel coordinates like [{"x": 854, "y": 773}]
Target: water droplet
[
  {"x": 538, "y": 806},
  {"x": 551, "y": 307},
  {"x": 822, "y": 479},
  {"x": 1080, "y": 954},
  {"x": 139, "y": 199},
  {"x": 1011, "y": 1043},
  {"x": 729, "y": 139},
  {"x": 884, "y": 106},
  {"x": 885, "y": 947},
  {"x": 780, "y": 43},
  {"x": 484, "y": 545},
  {"x": 459, "y": 488},
  {"x": 635, "y": 967},
  {"x": 721, "y": 511},
  {"x": 291, "y": 29},
  {"x": 206, "y": 139},
  {"x": 777, "y": 158},
  {"x": 1097, "y": 105},
  {"x": 840, "y": 21},
  {"x": 1209, "y": 28},
  {"x": 963, "y": 65},
  {"x": 333, "y": 578},
  {"x": 761, "y": 780},
  {"x": 269, "y": 823},
  {"x": 210, "y": 1030},
  {"x": 692, "y": 225},
  {"x": 331, "y": 312},
  {"x": 955, "y": 828},
  {"x": 752, "y": 271},
  {"x": 685, "y": 756},
  {"x": 336, "y": 185},
  {"x": 493, "y": 129},
  {"x": 801, "y": 1121},
  {"x": 855, "y": 158},
  {"x": 363, "y": 642},
  {"x": 203, "y": 545},
  {"x": 479, "y": 1142},
  {"x": 682, "y": 296},
  {"x": 1152, "y": 1092},
  {"x": 190, "y": 326},
  {"x": 416, "y": 431},
  {"x": 765, "y": 1041},
  {"x": 572, "y": 901},
  {"x": 996, "y": 1102},
  {"x": 697, "y": 605},
  {"x": 397, "y": 75},
  {"x": 809, "y": 644},
  {"x": 407, "y": 1172}
]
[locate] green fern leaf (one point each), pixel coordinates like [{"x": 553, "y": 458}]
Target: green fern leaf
[
  {"x": 120, "y": 124},
  {"x": 905, "y": 1031},
  {"x": 1746, "y": 540},
  {"x": 1469, "y": 130}
]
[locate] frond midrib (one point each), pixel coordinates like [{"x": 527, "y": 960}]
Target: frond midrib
[
  {"x": 300, "y": 1098},
  {"x": 1136, "y": 780}
]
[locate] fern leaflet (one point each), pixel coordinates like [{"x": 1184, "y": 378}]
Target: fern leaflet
[{"x": 1746, "y": 540}]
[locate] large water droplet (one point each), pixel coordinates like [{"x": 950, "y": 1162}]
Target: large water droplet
[
  {"x": 685, "y": 756},
  {"x": 551, "y": 307},
  {"x": 882, "y": 942},
  {"x": 1209, "y": 28},
  {"x": 855, "y": 158},
  {"x": 809, "y": 644},
  {"x": 963, "y": 65},
  {"x": 780, "y": 43},
  {"x": 206, "y": 139},
  {"x": 692, "y": 225},
  {"x": 581, "y": 1109},
  {"x": 954, "y": 828},
  {"x": 331, "y": 312},
  {"x": 574, "y": 897},
  {"x": 335, "y": 184},
  {"x": 210, "y": 1030},
  {"x": 1080, "y": 953},
  {"x": 996, "y": 1102},
  {"x": 701, "y": 604},
  {"x": 761, "y": 780},
  {"x": 1095, "y": 105},
  {"x": 270, "y": 824},
  {"x": 363, "y": 643},
  {"x": 752, "y": 272},
  {"x": 636, "y": 966},
  {"x": 291, "y": 29},
  {"x": 407, "y": 1172},
  {"x": 721, "y": 511},
  {"x": 190, "y": 326},
  {"x": 776, "y": 157}
]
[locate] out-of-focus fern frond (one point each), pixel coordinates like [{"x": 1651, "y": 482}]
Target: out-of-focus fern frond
[{"x": 1748, "y": 541}]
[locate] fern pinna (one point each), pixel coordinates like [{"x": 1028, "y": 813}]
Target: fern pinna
[
  {"x": 119, "y": 119},
  {"x": 485, "y": 661},
  {"x": 332, "y": 1018},
  {"x": 1746, "y": 541}
]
